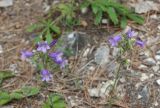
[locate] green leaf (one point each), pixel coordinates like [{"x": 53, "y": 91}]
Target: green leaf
[
  {"x": 85, "y": 4},
  {"x": 49, "y": 37},
  {"x": 55, "y": 29},
  {"x": 46, "y": 105},
  {"x": 37, "y": 39},
  {"x": 29, "y": 91},
  {"x": 123, "y": 22},
  {"x": 5, "y": 75},
  {"x": 33, "y": 27},
  {"x": 17, "y": 95},
  {"x": 112, "y": 14},
  {"x": 95, "y": 8},
  {"x": 4, "y": 97},
  {"x": 54, "y": 101},
  {"x": 136, "y": 18},
  {"x": 98, "y": 18}
]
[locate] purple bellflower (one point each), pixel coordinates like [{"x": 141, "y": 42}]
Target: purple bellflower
[
  {"x": 26, "y": 54},
  {"x": 46, "y": 75},
  {"x": 130, "y": 33},
  {"x": 63, "y": 63},
  {"x": 57, "y": 58},
  {"x": 114, "y": 40},
  {"x": 140, "y": 43},
  {"x": 43, "y": 47},
  {"x": 53, "y": 43}
]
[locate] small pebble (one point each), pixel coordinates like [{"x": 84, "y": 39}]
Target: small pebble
[
  {"x": 1, "y": 49},
  {"x": 139, "y": 96},
  {"x": 142, "y": 67},
  {"x": 158, "y": 81},
  {"x": 151, "y": 75},
  {"x": 104, "y": 21},
  {"x": 158, "y": 52},
  {"x": 84, "y": 10},
  {"x": 122, "y": 80},
  {"x": 155, "y": 68},
  {"x": 92, "y": 68},
  {"x": 150, "y": 62},
  {"x": 86, "y": 52},
  {"x": 156, "y": 103},
  {"x": 144, "y": 77},
  {"x": 157, "y": 57}
]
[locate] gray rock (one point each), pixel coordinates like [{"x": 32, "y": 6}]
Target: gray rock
[
  {"x": 84, "y": 10},
  {"x": 86, "y": 52},
  {"x": 14, "y": 68},
  {"x": 158, "y": 27},
  {"x": 154, "y": 16},
  {"x": 115, "y": 51},
  {"x": 73, "y": 42},
  {"x": 74, "y": 101},
  {"x": 1, "y": 49},
  {"x": 157, "y": 57},
  {"x": 146, "y": 6},
  {"x": 7, "y": 107},
  {"x": 144, "y": 94},
  {"x": 106, "y": 88},
  {"x": 102, "y": 55},
  {"x": 144, "y": 77},
  {"x": 122, "y": 80},
  {"x": 149, "y": 62},
  {"x": 144, "y": 55},
  {"x": 104, "y": 21},
  {"x": 142, "y": 67},
  {"x": 102, "y": 90},
  {"x": 158, "y": 82},
  {"x": 156, "y": 103},
  {"x": 155, "y": 68},
  {"x": 94, "y": 92},
  {"x": 6, "y": 3},
  {"x": 158, "y": 52}
]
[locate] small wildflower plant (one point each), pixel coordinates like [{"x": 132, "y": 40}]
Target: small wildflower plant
[
  {"x": 44, "y": 59},
  {"x": 125, "y": 42}
]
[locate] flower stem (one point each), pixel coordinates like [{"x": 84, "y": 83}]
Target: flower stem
[{"x": 117, "y": 78}]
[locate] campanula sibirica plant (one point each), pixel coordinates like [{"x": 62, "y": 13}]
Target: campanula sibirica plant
[
  {"x": 41, "y": 57},
  {"x": 125, "y": 42}
]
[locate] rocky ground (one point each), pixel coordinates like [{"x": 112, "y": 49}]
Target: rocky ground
[{"x": 87, "y": 85}]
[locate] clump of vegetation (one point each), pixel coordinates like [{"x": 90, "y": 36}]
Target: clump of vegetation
[
  {"x": 125, "y": 43},
  {"x": 54, "y": 101},
  {"x": 27, "y": 91},
  {"x": 116, "y": 12}
]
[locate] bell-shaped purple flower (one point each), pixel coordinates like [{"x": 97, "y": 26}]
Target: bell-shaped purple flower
[
  {"x": 140, "y": 43},
  {"x": 114, "y": 40},
  {"x": 43, "y": 47},
  {"x": 26, "y": 54},
  {"x": 130, "y": 33},
  {"x": 46, "y": 75},
  {"x": 53, "y": 43},
  {"x": 57, "y": 58},
  {"x": 63, "y": 63}
]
